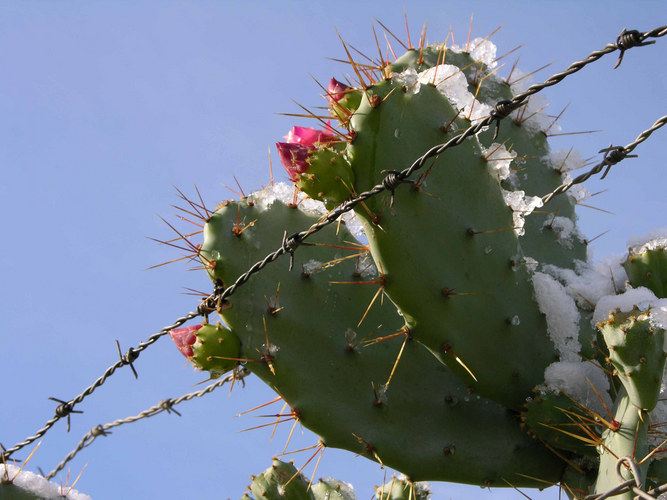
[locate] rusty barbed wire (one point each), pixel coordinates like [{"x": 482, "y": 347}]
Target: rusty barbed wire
[
  {"x": 167, "y": 405},
  {"x": 391, "y": 181}
]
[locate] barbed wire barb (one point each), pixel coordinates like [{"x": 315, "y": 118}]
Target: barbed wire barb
[
  {"x": 612, "y": 156},
  {"x": 166, "y": 405}
]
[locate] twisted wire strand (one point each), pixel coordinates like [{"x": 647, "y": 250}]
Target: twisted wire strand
[
  {"x": 501, "y": 110},
  {"x": 65, "y": 408},
  {"x": 633, "y": 484},
  {"x": 165, "y": 405},
  {"x": 614, "y": 154}
]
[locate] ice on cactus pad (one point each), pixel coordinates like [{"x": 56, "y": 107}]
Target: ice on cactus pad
[
  {"x": 653, "y": 240},
  {"x": 591, "y": 280},
  {"x": 577, "y": 379},
  {"x": 565, "y": 230},
  {"x": 641, "y": 297},
  {"x": 561, "y": 314},
  {"x": 284, "y": 193},
  {"x": 480, "y": 49},
  {"x": 499, "y": 159},
  {"x": 565, "y": 160},
  {"x": 38, "y": 485},
  {"x": 452, "y": 83},
  {"x": 521, "y": 206}
]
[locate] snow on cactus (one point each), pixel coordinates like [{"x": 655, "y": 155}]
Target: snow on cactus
[{"x": 483, "y": 277}]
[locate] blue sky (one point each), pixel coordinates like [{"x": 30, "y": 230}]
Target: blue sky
[{"x": 105, "y": 106}]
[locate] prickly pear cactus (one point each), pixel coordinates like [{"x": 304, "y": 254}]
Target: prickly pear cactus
[{"x": 499, "y": 353}]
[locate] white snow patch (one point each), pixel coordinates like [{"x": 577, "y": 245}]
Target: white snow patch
[
  {"x": 521, "y": 206},
  {"x": 565, "y": 230},
  {"x": 409, "y": 79},
  {"x": 484, "y": 51},
  {"x": 591, "y": 280},
  {"x": 565, "y": 160},
  {"x": 499, "y": 159},
  {"x": 38, "y": 485},
  {"x": 451, "y": 83},
  {"x": 641, "y": 297},
  {"x": 284, "y": 193},
  {"x": 346, "y": 489},
  {"x": 572, "y": 377},
  {"x": 531, "y": 114},
  {"x": 561, "y": 313},
  {"x": 480, "y": 50},
  {"x": 652, "y": 241}
]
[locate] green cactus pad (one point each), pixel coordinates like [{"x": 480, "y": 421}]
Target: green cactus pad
[
  {"x": 628, "y": 439},
  {"x": 450, "y": 257},
  {"x": 329, "y": 177},
  {"x": 402, "y": 489},
  {"x": 426, "y": 424},
  {"x": 648, "y": 269},
  {"x": 216, "y": 350},
  {"x": 279, "y": 482},
  {"x": 636, "y": 351},
  {"x": 546, "y": 417}
]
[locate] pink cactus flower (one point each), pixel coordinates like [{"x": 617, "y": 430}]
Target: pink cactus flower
[
  {"x": 301, "y": 141},
  {"x": 294, "y": 158},
  {"x": 336, "y": 90},
  {"x": 310, "y": 137},
  {"x": 184, "y": 338}
]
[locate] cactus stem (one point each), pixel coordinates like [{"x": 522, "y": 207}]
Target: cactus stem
[{"x": 241, "y": 225}]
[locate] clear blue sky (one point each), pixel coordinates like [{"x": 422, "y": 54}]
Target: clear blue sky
[{"x": 104, "y": 106}]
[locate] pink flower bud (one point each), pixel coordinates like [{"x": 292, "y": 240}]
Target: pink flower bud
[
  {"x": 310, "y": 137},
  {"x": 184, "y": 338},
  {"x": 336, "y": 90},
  {"x": 294, "y": 158}
]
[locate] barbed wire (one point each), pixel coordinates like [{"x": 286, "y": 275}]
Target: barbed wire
[
  {"x": 167, "y": 405},
  {"x": 613, "y": 155},
  {"x": 391, "y": 181},
  {"x": 632, "y": 485}
]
